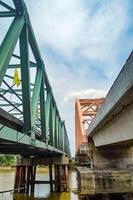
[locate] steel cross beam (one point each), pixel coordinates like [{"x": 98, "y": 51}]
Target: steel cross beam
[{"x": 39, "y": 121}]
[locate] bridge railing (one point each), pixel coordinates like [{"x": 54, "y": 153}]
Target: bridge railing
[{"x": 28, "y": 99}]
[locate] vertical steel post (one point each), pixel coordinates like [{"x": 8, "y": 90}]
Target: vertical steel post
[
  {"x": 51, "y": 131},
  {"x": 25, "y": 76},
  {"x": 42, "y": 111}
]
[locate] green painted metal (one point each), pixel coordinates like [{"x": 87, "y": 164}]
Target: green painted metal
[
  {"x": 9, "y": 43},
  {"x": 63, "y": 134},
  {"x": 12, "y": 66},
  {"x": 6, "y": 6},
  {"x": 41, "y": 122},
  {"x": 35, "y": 96},
  {"x": 47, "y": 115},
  {"x": 25, "y": 76},
  {"x": 7, "y": 14},
  {"x": 6, "y": 104},
  {"x": 56, "y": 131},
  {"x": 20, "y": 138},
  {"x": 42, "y": 110},
  {"x": 52, "y": 124},
  {"x": 34, "y": 47}
]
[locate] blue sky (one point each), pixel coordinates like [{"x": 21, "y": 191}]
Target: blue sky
[{"x": 84, "y": 44}]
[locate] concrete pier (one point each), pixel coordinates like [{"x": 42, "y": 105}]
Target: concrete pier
[
  {"x": 107, "y": 170},
  {"x": 94, "y": 181}
]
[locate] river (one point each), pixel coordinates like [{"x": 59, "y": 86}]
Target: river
[{"x": 42, "y": 192}]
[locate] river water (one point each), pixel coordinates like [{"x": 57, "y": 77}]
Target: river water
[{"x": 42, "y": 192}]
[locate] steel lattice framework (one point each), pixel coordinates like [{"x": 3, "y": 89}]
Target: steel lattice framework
[
  {"x": 85, "y": 111},
  {"x": 28, "y": 115}
]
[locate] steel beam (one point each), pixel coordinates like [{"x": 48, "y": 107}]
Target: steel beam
[
  {"x": 8, "y": 134},
  {"x": 25, "y": 75},
  {"x": 42, "y": 111},
  {"x": 12, "y": 66},
  {"x": 35, "y": 97},
  {"x": 52, "y": 124},
  {"x": 34, "y": 46},
  {"x": 7, "y": 14},
  {"x": 7, "y": 119},
  {"x": 7, "y": 104},
  {"x": 8, "y": 45},
  {"x": 47, "y": 114},
  {"x": 63, "y": 136},
  {"x": 46, "y": 125},
  {"x": 6, "y": 6},
  {"x": 20, "y": 7},
  {"x": 56, "y": 130}
]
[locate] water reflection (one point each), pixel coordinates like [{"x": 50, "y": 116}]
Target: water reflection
[
  {"x": 54, "y": 196},
  {"x": 42, "y": 192}
]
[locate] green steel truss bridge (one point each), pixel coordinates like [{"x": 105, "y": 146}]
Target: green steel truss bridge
[{"x": 30, "y": 123}]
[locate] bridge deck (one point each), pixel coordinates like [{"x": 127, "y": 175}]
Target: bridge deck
[
  {"x": 117, "y": 100},
  {"x": 14, "y": 142}
]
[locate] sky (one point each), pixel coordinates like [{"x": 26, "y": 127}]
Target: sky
[{"x": 84, "y": 44}]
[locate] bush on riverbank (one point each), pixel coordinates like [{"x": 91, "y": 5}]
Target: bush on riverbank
[{"x": 6, "y": 160}]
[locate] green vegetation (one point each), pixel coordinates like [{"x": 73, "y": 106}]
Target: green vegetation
[
  {"x": 6, "y": 160},
  {"x": 73, "y": 163}
]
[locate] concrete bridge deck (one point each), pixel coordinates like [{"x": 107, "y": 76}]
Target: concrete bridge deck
[{"x": 113, "y": 122}]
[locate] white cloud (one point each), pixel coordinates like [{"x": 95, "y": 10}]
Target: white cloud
[
  {"x": 78, "y": 30},
  {"x": 87, "y": 93},
  {"x": 88, "y": 36}
]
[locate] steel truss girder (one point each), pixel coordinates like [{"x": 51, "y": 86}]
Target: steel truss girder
[{"x": 39, "y": 107}]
